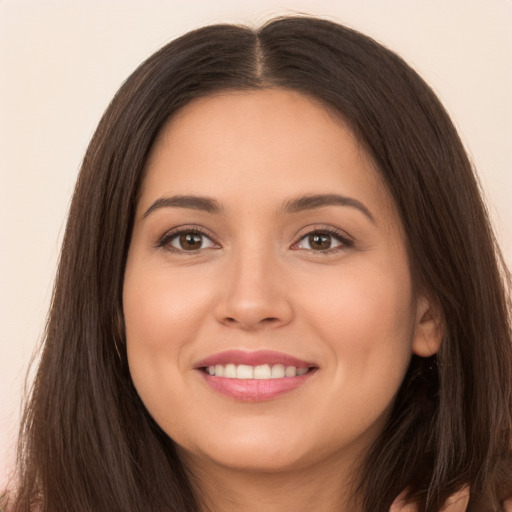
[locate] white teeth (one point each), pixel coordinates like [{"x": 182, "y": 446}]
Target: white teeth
[
  {"x": 290, "y": 371},
  {"x": 230, "y": 371},
  {"x": 278, "y": 371},
  {"x": 244, "y": 371},
  {"x": 264, "y": 371}
]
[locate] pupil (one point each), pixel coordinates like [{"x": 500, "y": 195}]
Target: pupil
[
  {"x": 320, "y": 241},
  {"x": 190, "y": 241}
]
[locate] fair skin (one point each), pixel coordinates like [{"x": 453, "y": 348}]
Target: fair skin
[{"x": 262, "y": 266}]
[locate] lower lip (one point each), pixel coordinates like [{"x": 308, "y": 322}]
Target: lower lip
[{"x": 255, "y": 390}]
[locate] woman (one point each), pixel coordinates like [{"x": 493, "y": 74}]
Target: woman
[{"x": 278, "y": 290}]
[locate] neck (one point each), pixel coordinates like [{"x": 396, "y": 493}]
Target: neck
[{"x": 328, "y": 487}]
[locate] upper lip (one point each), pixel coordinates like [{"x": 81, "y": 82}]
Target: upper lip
[{"x": 253, "y": 359}]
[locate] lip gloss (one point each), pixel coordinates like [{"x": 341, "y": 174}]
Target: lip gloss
[{"x": 255, "y": 390}]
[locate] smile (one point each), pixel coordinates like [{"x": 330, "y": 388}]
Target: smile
[
  {"x": 261, "y": 372},
  {"x": 254, "y": 376}
]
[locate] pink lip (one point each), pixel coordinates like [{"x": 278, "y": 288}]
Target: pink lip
[
  {"x": 254, "y": 390},
  {"x": 253, "y": 359}
]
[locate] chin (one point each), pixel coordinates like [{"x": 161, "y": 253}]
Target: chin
[{"x": 263, "y": 453}]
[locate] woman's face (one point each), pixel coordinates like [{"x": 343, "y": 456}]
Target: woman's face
[{"x": 270, "y": 315}]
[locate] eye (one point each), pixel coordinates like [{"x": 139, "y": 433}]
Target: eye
[
  {"x": 322, "y": 241},
  {"x": 189, "y": 240}
]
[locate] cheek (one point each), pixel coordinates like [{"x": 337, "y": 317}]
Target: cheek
[
  {"x": 163, "y": 314},
  {"x": 362, "y": 301},
  {"x": 367, "y": 322},
  {"x": 162, "y": 310}
]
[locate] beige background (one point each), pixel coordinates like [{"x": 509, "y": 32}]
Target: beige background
[{"x": 61, "y": 62}]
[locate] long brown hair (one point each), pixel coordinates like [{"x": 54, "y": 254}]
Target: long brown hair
[{"x": 87, "y": 442}]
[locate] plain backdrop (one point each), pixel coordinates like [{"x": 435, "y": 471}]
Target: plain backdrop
[{"x": 61, "y": 62}]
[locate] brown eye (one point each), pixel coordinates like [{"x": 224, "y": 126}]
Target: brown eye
[
  {"x": 188, "y": 241},
  {"x": 322, "y": 241}
]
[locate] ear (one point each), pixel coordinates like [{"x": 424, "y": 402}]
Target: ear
[{"x": 429, "y": 328}]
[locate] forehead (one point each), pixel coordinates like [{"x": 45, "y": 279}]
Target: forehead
[
  {"x": 264, "y": 144},
  {"x": 271, "y": 119}
]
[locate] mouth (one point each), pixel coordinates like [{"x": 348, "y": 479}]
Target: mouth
[
  {"x": 254, "y": 376},
  {"x": 260, "y": 372}
]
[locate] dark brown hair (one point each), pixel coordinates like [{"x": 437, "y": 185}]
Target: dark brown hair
[{"x": 87, "y": 442}]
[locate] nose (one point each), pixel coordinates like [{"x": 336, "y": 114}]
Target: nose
[{"x": 254, "y": 294}]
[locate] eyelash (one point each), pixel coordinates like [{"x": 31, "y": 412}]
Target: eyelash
[
  {"x": 165, "y": 241},
  {"x": 344, "y": 241}
]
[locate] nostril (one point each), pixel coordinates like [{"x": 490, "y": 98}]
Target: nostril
[{"x": 249, "y": 324}]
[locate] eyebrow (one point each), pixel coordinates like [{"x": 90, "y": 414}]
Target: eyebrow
[
  {"x": 299, "y": 204},
  {"x": 320, "y": 200},
  {"x": 192, "y": 202}
]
